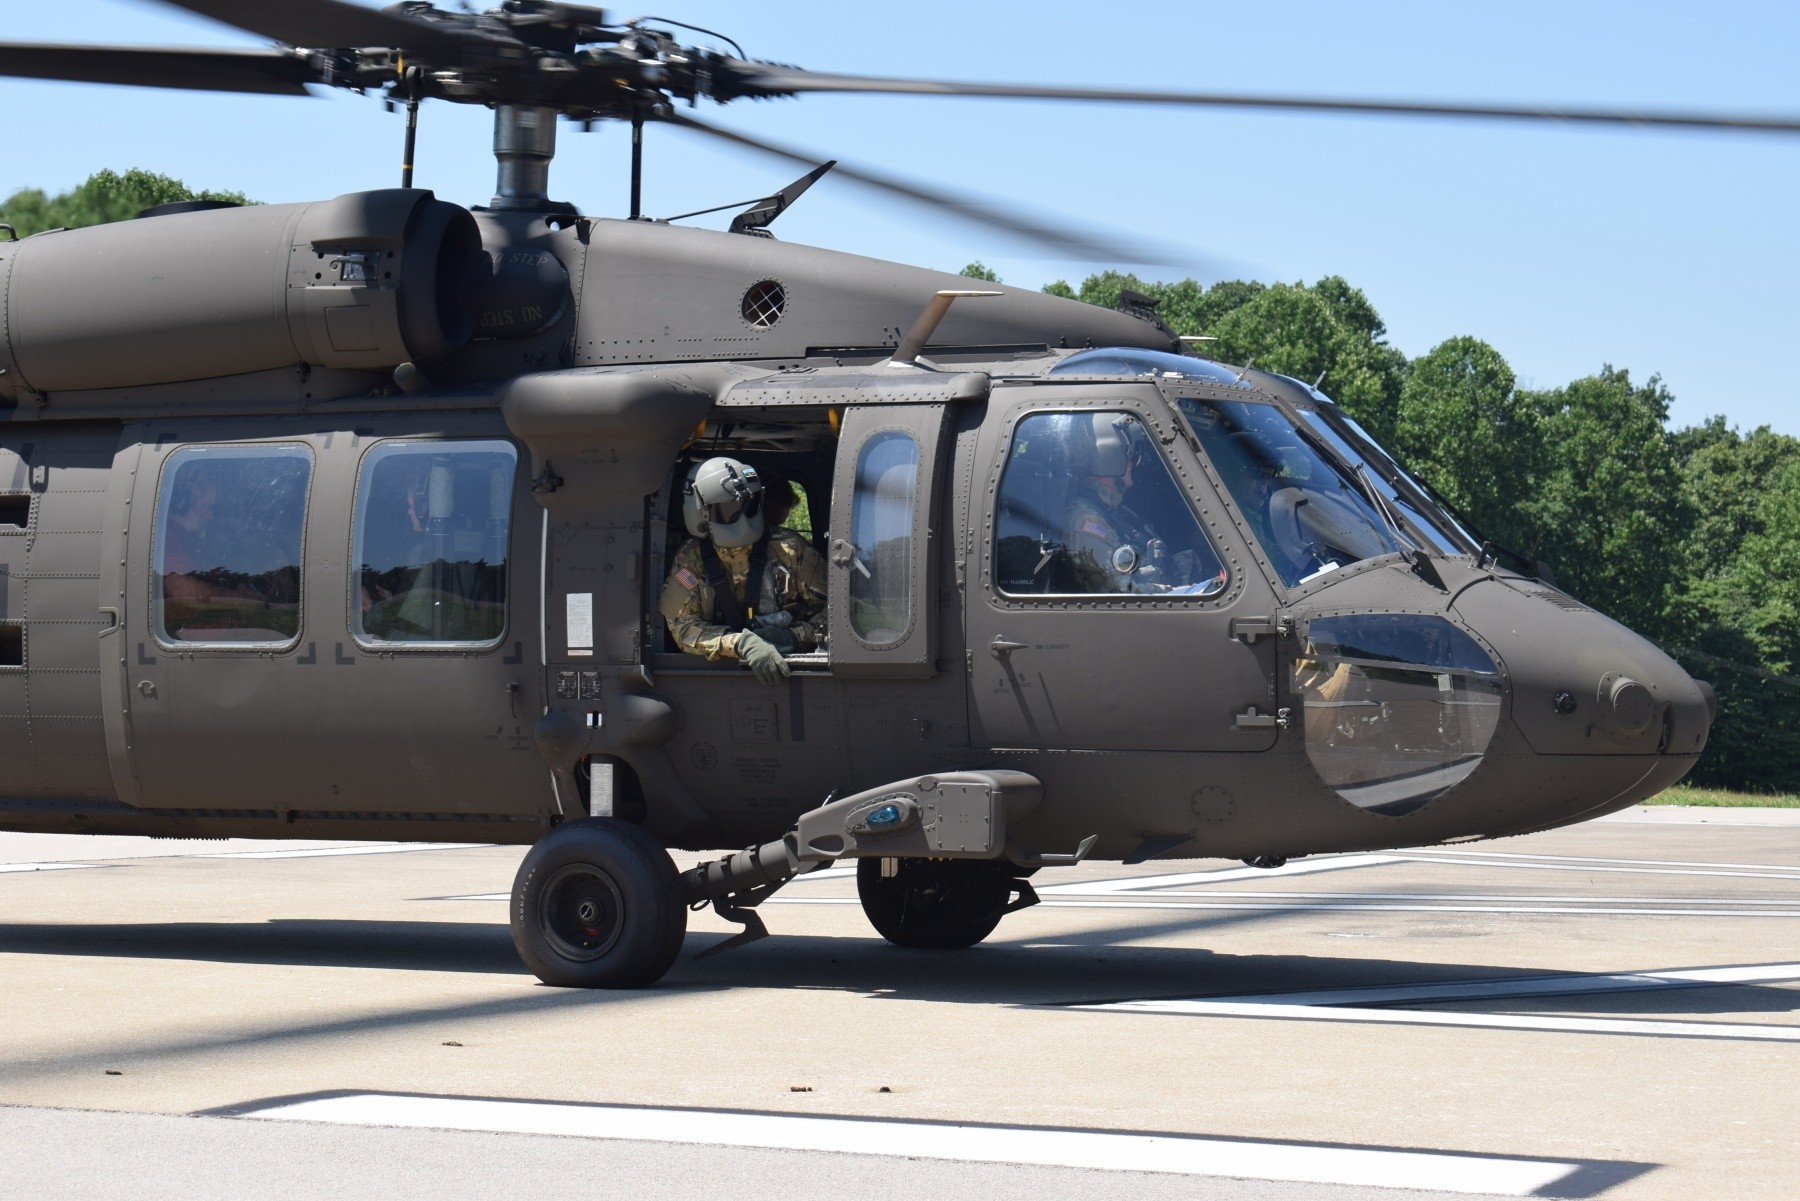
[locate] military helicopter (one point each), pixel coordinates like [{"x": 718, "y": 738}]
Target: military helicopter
[{"x": 352, "y": 519}]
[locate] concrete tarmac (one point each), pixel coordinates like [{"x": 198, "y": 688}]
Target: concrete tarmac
[{"x": 1608, "y": 1010}]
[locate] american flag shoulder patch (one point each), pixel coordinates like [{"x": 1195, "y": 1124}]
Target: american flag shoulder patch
[
  {"x": 1090, "y": 526},
  {"x": 687, "y": 579}
]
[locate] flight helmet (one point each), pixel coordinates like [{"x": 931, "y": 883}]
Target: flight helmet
[{"x": 722, "y": 500}]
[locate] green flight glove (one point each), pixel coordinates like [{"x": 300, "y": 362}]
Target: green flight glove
[
  {"x": 761, "y": 658},
  {"x": 782, "y": 640}
]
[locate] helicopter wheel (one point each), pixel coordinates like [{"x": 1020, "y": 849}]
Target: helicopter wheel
[
  {"x": 935, "y": 904},
  {"x": 597, "y": 904}
]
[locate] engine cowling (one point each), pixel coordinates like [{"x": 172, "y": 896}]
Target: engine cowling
[{"x": 367, "y": 281}]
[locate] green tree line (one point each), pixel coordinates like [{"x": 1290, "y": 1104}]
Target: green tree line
[
  {"x": 102, "y": 197},
  {"x": 1690, "y": 536}
]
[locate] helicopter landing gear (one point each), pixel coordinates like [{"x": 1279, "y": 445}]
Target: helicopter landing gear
[
  {"x": 597, "y": 904},
  {"x": 938, "y": 904}
]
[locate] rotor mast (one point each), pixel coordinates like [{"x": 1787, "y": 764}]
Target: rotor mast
[{"x": 524, "y": 145}]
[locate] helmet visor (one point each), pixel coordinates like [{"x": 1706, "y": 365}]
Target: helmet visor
[{"x": 726, "y": 512}]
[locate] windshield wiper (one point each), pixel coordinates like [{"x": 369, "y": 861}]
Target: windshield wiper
[
  {"x": 1418, "y": 558},
  {"x": 1380, "y": 503},
  {"x": 1533, "y": 567}
]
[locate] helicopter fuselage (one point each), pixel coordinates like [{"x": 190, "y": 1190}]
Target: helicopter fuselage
[{"x": 440, "y": 454}]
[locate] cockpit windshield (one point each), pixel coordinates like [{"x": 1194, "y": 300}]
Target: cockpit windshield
[
  {"x": 1310, "y": 512},
  {"x": 1405, "y": 498}
]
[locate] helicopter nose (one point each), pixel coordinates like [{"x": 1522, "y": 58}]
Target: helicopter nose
[{"x": 1581, "y": 683}]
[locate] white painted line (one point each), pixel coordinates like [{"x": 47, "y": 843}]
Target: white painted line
[
  {"x": 1599, "y": 867},
  {"x": 1483, "y": 856},
  {"x": 368, "y": 848},
  {"x": 1517, "y": 898},
  {"x": 1300, "y": 867},
  {"x": 1179, "y": 1154},
  {"x": 475, "y": 896},
  {"x": 1105, "y": 902},
  {"x": 6, "y": 868},
  {"x": 1734, "y": 1031},
  {"x": 1354, "y": 1005},
  {"x": 1534, "y": 986}
]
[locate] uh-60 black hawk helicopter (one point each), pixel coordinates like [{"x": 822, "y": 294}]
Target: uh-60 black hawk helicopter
[{"x": 354, "y": 519}]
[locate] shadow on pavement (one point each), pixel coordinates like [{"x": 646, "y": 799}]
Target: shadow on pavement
[{"x": 1075, "y": 972}]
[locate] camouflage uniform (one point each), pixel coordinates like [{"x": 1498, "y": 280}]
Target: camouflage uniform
[
  {"x": 794, "y": 582},
  {"x": 1098, "y": 524}
]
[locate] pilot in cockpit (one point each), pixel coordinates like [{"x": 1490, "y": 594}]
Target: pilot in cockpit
[{"x": 1123, "y": 533}]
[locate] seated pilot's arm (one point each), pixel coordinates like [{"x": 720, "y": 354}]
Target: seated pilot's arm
[
  {"x": 1092, "y": 539},
  {"x": 687, "y": 603}
]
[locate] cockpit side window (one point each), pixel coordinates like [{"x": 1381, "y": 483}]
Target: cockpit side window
[
  {"x": 229, "y": 526},
  {"x": 1087, "y": 506}
]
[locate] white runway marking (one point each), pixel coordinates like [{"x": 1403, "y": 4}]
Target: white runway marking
[
  {"x": 1179, "y": 1154},
  {"x": 1221, "y": 875},
  {"x": 1329, "y": 907},
  {"x": 45, "y": 867},
  {"x": 1447, "y": 853},
  {"x": 1355, "y": 1004},
  {"x": 1176, "y": 891},
  {"x": 378, "y": 848},
  {"x": 1575, "y": 863}
]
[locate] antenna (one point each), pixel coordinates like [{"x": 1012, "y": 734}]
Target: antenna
[{"x": 907, "y": 353}]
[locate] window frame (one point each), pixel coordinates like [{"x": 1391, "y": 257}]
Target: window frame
[
  {"x": 353, "y": 568},
  {"x": 915, "y": 654},
  {"x": 155, "y": 613}
]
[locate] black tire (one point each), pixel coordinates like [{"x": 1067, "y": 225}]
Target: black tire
[
  {"x": 934, "y": 904},
  {"x": 597, "y": 904}
]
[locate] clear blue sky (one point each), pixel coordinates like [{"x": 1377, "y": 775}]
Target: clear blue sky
[{"x": 1664, "y": 253}]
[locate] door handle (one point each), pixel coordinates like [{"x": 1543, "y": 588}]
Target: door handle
[
  {"x": 1000, "y": 646},
  {"x": 1250, "y": 719}
]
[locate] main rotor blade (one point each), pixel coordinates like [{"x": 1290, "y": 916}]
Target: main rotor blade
[
  {"x": 330, "y": 24},
  {"x": 1063, "y": 240},
  {"x": 757, "y": 79},
  {"x": 270, "y": 72}
]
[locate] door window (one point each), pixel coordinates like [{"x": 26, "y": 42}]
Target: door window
[
  {"x": 881, "y": 525},
  {"x": 1088, "y": 506},
  {"x": 432, "y": 528},
  {"x": 229, "y": 525}
]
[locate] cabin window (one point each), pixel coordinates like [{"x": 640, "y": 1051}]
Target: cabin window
[
  {"x": 433, "y": 522},
  {"x": 881, "y": 532},
  {"x": 15, "y": 512},
  {"x": 229, "y": 526},
  {"x": 1088, "y": 506}
]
